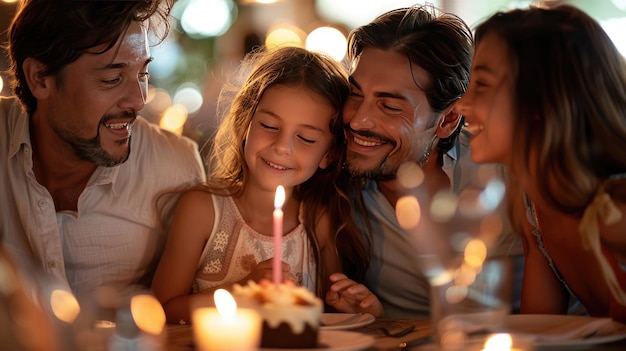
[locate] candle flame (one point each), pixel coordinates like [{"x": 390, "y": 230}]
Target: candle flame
[
  {"x": 279, "y": 199},
  {"x": 498, "y": 342},
  {"x": 225, "y": 303}
]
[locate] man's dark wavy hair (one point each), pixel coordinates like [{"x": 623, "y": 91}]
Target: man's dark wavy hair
[
  {"x": 441, "y": 43},
  {"x": 57, "y": 32}
]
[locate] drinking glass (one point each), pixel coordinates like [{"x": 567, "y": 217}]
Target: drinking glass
[{"x": 453, "y": 234}]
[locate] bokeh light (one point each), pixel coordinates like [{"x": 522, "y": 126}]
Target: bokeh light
[
  {"x": 328, "y": 40},
  {"x": 206, "y": 18},
  {"x": 188, "y": 95},
  {"x": 354, "y": 13},
  {"x": 284, "y": 35},
  {"x": 410, "y": 175},
  {"x": 408, "y": 212},
  {"x": 167, "y": 56},
  {"x": 492, "y": 195},
  {"x": 456, "y": 294},
  {"x": 443, "y": 206},
  {"x": 475, "y": 253},
  {"x": 64, "y": 305},
  {"x": 465, "y": 275},
  {"x": 441, "y": 277},
  {"x": 158, "y": 100},
  {"x": 147, "y": 313},
  {"x": 174, "y": 118}
]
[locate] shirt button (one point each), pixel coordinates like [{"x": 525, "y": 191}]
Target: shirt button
[
  {"x": 42, "y": 203},
  {"x": 52, "y": 264}
]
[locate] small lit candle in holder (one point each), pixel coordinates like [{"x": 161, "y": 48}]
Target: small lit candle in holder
[
  {"x": 226, "y": 327},
  {"x": 504, "y": 342},
  {"x": 279, "y": 200}
]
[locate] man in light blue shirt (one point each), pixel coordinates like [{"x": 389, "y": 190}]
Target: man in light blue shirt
[{"x": 409, "y": 67}]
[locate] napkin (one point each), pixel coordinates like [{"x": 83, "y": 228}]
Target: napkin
[
  {"x": 531, "y": 326},
  {"x": 573, "y": 329}
]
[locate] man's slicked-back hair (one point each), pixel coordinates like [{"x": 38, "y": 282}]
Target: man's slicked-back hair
[{"x": 440, "y": 43}]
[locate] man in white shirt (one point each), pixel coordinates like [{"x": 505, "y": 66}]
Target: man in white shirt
[{"x": 82, "y": 174}]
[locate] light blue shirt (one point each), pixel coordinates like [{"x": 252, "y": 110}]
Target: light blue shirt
[{"x": 395, "y": 275}]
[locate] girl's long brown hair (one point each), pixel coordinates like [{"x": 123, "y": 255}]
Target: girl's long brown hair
[{"x": 228, "y": 173}]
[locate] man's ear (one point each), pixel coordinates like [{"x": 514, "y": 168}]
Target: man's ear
[
  {"x": 448, "y": 122},
  {"x": 37, "y": 81}
]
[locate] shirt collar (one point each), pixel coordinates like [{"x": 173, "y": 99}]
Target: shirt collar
[
  {"x": 106, "y": 175},
  {"x": 20, "y": 133},
  {"x": 451, "y": 157}
]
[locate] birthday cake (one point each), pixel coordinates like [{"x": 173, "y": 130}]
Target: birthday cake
[{"x": 291, "y": 314}]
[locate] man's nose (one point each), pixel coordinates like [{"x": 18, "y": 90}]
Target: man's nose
[
  {"x": 135, "y": 95},
  {"x": 360, "y": 116}
]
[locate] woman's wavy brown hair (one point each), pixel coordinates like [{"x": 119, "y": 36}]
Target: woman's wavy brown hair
[{"x": 569, "y": 101}]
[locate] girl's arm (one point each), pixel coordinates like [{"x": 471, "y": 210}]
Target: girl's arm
[
  {"x": 190, "y": 229},
  {"x": 542, "y": 292}
]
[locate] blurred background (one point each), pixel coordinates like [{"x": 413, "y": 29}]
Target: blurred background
[{"x": 210, "y": 37}]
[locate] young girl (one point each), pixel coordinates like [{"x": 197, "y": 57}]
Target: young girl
[
  {"x": 547, "y": 97},
  {"x": 282, "y": 128}
]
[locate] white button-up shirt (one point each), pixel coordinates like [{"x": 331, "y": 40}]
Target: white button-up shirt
[{"x": 117, "y": 235}]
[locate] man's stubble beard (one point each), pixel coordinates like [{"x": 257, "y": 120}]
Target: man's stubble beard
[
  {"x": 381, "y": 172},
  {"x": 386, "y": 170},
  {"x": 91, "y": 149}
]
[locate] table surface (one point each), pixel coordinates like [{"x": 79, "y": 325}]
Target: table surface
[{"x": 179, "y": 337}]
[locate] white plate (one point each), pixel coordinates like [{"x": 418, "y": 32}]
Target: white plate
[
  {"x": 550, "y": 330},
  {"x": 337, "y": 340},
  {"x": 335, "y": 321}
]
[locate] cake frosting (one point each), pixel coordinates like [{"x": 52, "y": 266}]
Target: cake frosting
[{"x": 284, "y": 308}]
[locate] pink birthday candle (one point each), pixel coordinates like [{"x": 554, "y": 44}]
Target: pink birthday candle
[{"x": 279, "y": 200}]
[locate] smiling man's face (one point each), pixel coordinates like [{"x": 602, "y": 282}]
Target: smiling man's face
[
  {"x": 388, "y": 120},
  {"x": 92, "y": 107}
]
